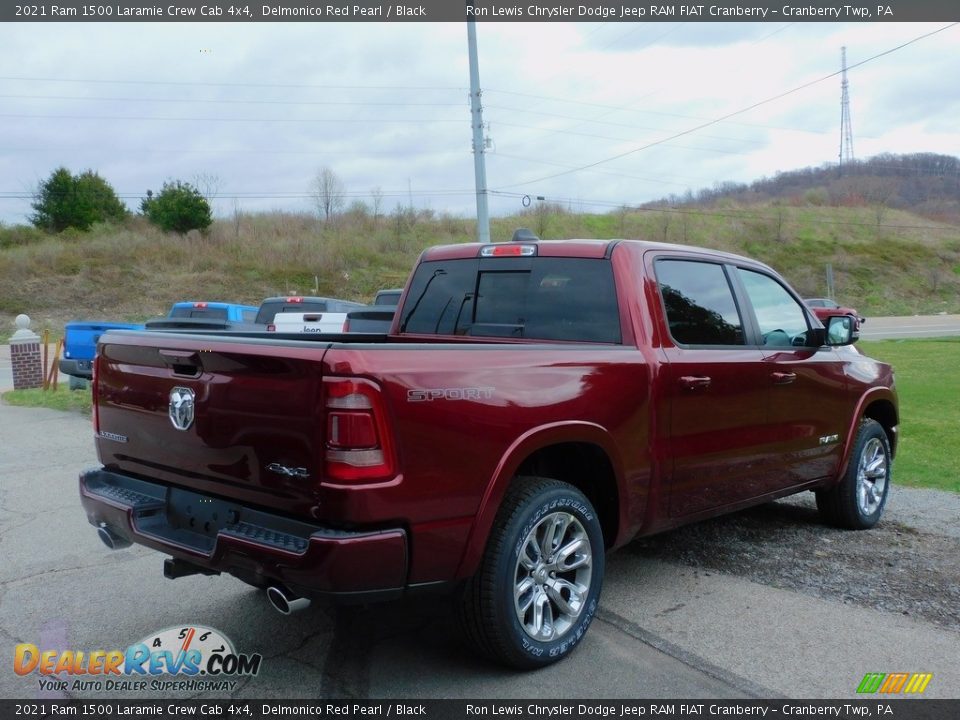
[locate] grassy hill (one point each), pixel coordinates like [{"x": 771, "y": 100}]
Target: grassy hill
[
  {"x": 924, "y": 183},
  {"x": 886, "y": 262}
]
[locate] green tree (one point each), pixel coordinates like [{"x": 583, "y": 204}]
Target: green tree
[
  {"x": 179, "y": 207},
  {"x": 66, "y": 200}
]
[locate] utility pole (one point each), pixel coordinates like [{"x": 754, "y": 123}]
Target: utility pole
[
  {"x": 479, "y": 144},
  {"x": 846, "y": 131}
]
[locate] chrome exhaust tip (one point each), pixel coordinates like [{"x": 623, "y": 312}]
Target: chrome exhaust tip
[
  {"x": 109, "y": 538},
  {"x": 284, "y": 601}
]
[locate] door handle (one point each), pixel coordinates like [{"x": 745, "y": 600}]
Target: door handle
[
  {"x": 182, "y": 362},
  {"x": 783, "y": 378},
  {"x": 694, "y": 382}
]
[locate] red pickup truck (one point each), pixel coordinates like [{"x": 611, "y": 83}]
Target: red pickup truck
[{"x": 534, "y": 405}]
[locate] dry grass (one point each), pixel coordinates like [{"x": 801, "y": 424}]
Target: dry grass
[{"x": 132, "y": 272}]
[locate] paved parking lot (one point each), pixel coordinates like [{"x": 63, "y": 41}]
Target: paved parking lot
[{"x": 665, "y": 630}]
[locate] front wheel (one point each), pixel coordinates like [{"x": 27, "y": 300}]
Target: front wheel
[
  {"x": 858, "y": 500},
  {"x": 538, "y": 586}
]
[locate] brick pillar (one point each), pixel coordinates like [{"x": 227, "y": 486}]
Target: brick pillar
[{"x": 25, "y": 357}]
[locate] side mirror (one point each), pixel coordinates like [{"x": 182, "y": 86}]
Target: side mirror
[{"x": 840, "y": 330}]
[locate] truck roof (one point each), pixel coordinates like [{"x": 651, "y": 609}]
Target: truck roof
[{"x": 576, "y": 248}]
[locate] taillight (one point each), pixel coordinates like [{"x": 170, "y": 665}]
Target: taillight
[
  {"x": 96, "y": 395},
  {"x": 358, "y": 445},
  {"x": 199, "y": 304},
  {"x": 294, "y": 299},
  {"x": 271, "y": 327},
  {"x": 346, "y": 325}
]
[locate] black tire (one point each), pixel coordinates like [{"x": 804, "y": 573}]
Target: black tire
[
  {"x": 489, "y": 604},
  {"x": 857, "y": 501},
  {"x": 76, "y": 383}
]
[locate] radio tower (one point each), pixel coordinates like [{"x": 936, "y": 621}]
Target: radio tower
[{"x": 846, "y": 131}]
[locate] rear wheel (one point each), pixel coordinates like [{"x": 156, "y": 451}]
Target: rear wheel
[
  {"x": 858, "y": 500},
  {"x": 538, "y": 586},
  {"x": 75, "y": 383}
]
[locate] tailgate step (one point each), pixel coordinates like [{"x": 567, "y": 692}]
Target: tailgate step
[{"x": 265, "y": 536}]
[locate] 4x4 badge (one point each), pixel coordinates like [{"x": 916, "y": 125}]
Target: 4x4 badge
[{"x": 181, "y": 407}]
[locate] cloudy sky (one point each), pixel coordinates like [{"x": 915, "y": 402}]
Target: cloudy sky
[{"x": 259, "y": 108}]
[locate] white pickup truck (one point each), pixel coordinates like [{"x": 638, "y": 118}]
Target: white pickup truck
[{"x": 309, "y": 322}]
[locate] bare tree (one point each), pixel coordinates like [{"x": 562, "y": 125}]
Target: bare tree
[
  {"x": 376, "y": 200},
  {"x": 328, "y": 192},
  {"x": 665, "y": 224},
  {"x": 209, "y": 185}
]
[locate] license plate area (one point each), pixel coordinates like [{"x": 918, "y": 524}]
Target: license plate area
[{"x": 194, "y": 513}]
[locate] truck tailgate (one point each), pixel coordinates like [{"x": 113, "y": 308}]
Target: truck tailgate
[{"x": 256, "y": 429}]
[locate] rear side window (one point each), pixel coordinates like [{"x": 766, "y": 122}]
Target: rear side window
[
  {"x": 210, "y": 313},
  {"x": 542, "y": 298},
  {"x": 387, "y": 298},
  {"x": 342, "y": 306},
  {"x": 270, "y": 309},
  {"x": 699, "y": 303}
]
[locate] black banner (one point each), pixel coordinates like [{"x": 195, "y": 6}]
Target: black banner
[
  {"x": 481, "y": 10},
  {"x": 875, "y": 707}
]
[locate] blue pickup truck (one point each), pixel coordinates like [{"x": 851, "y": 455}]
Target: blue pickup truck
[
  {"x": 80, "y": 345},
  {"x": 80, "y": 338}
]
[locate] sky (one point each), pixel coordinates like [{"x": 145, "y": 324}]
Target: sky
[{"x": 590, "y": 115}]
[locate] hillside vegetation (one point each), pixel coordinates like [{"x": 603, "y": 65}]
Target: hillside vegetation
[
  {"x": 897, "y": 263},
  {"x": 924, "y": 183}
]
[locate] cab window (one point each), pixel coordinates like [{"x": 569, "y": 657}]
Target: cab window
[
  {"x": 782, "y": 320},
  {"x": 699, "y": 303}
]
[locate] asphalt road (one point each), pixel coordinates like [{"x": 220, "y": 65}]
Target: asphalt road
[
  {"x": 915, "y": 326},
  {"x": 664, "y": 630}
]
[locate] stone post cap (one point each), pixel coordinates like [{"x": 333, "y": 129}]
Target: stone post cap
[{"x": 23, "y": 333}]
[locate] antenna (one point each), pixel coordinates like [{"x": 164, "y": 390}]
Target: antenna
[{"x": 846, "y": 131}]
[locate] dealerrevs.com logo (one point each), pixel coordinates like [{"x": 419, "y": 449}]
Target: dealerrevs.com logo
[{"x": 191, "y": 657}]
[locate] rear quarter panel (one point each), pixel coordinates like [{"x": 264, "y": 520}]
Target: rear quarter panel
[{"x": 466, "y": 416}]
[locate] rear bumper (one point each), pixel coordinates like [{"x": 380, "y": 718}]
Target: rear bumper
[
  {"x": 77, "y": 368},
  {"x": 223, "y": 536}
]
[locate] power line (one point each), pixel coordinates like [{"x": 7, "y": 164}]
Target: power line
[
  {"x": 418, "y": 121},
  {"x": 616, "y": 139},
  {"x": 732, "y": 114},
  {"x": 645, "y": 45},
  {"x": 195, "y": 83},
  {"x": 263, "y": 195},
  {"x": 657, "y": 181},
  {"x": 207, "y": 101},
  {"x": 235, "y": 151},
  {"x": 607, "y": 122},
  {"x": 627, "y": 108}
]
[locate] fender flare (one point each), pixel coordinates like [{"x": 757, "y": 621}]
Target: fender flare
[
  {"x": 523, "y": 447},
  {"x": 869, "y": 397}
]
